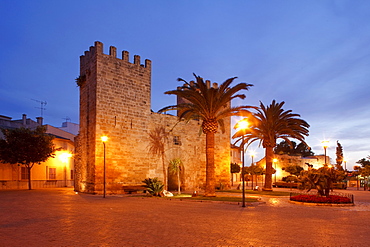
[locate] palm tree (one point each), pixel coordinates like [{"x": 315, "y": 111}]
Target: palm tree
[
  {"x": 210, "y": 105},
  {"x": 157, "y": 140},
  {"x": 175, "y": 167},
  {"x": 267, "y": 125}
]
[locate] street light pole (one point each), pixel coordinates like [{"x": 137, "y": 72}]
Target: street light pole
[
  {"x": 104, "y": 139},
  {"x": 325, "y": 146},
  {"x": 243, "y": 175},
  {"x": 105, "y": 190},
  {"x": 252, "y": 156},
  {"x": 242, "y": 125}
]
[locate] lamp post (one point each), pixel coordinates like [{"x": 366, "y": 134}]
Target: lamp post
[
  {"x": 104, "y": 139},
  {"x": 275, "y": 160},
  {"x": 252, "y": 156},
  {"x": 325, "y": 146},
  {"x": 252, "y": 153},
  {"x": 242, "y": 125},
  {"x": 345, "y": 165}
]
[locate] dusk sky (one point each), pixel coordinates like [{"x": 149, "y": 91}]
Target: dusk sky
[{"x": 314, "y": 55}]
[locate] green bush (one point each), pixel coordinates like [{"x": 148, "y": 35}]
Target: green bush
[{"x": 154, "y": 186}]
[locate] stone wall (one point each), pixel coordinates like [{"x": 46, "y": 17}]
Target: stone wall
[{"x": 115, "y": 97}]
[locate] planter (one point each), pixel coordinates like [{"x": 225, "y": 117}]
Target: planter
[{"x": 314, "y": 199}]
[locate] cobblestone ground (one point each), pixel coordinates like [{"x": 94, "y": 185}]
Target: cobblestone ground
[{"x": 59, "y": 217}]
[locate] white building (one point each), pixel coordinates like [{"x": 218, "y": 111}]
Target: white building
[{"x": 55, "y": 172}]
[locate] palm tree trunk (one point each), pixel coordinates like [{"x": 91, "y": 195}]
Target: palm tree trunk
[
  {"x": 164, "y": 172},
  {"x": 268, "y": 176},
  {"x": 178, "y": 181},
  {"x": 210, "y": 164}
]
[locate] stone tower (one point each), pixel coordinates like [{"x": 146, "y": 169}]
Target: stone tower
[{"x": 115, "y": 99}]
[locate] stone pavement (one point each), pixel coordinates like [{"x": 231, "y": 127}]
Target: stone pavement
[{"x": 59, "y": 217}]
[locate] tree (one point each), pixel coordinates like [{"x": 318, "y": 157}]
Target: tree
[
  {"x": 175, "y": 167},
  {"x": 234, "y": 168},
  {"x": 364, "y": 171},
  {"x": 26, "y": 147},
  {"x": 285, "y": 148},
  {"x": 339, "y": 153},
  {"x": 157, "y": 141},
  {"x": 294, "y": 170},
  {"x": 364, "y": 161},
  {"x": 267, "y": 125},
  {"x": 210, "y": 105},
  {"x": 257, "y": 170},
  {"x": 321, "y": 179},
  {"x": 254, "y": 170},
  {"x": 301, "y": 149}
]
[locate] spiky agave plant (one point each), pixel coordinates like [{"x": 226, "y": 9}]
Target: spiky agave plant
[{"x": 154, "y": 186}]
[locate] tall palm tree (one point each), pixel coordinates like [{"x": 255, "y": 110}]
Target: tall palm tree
[
  {"x": 210, "y": 105},
  {"x": 157, "y": 141},
  {"x": 267, "y": 125}
]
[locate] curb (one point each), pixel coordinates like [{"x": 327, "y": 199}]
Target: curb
[{"x": 323, "y": 204}]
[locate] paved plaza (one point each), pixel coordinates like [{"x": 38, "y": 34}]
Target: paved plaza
[{"x": 59, "y": 217}]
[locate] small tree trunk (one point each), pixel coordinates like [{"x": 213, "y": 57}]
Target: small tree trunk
[
  {"x": 210, "y": 164},
  {"x": 164, "y": 172},
  {"x": 29, "y": 177},
  {"x": 178, "y": 181}
]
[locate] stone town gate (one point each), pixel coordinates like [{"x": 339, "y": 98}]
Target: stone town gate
[{"x": 115, "y": 101}]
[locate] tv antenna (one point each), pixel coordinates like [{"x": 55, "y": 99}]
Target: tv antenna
[
  {"x": 68, "y": 119},
  {"x": 42, "y": 106}
]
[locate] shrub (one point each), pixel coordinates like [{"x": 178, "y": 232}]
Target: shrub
[{"x": 154, "y": 186}]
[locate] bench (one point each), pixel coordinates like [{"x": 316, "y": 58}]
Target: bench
[{"x": 130, "y": 189}]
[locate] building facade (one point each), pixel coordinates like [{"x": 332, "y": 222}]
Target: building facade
[
  {"x": 55, "y": 172},
  {"x": 115, "y": 101}
]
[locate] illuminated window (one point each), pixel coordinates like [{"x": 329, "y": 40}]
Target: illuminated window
[
  {"x": 52, "y": 173},
  {"x": 24, "y": 173},
  {"x": 176, "y": 140}
]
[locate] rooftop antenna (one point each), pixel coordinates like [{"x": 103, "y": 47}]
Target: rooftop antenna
[
  {"x": 42, "y": 107},
  {"x": 68, "y": 119}
]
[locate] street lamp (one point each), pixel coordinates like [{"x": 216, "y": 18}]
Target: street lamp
[
  {"x": 104, "y": 139},
  {"x": 252, "y": 155},
  {"x": 275, "y": 160},
  {"x": 242, "y": 125},
  {"x": 325, "y": 145}
]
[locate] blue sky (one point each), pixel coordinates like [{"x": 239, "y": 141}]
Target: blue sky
[{"x": 314, "y": 55}]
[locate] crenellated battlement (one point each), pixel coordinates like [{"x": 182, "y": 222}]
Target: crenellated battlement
[
  {"x": 98, "y": 49},
  {"x": 208, "y": 83}
]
